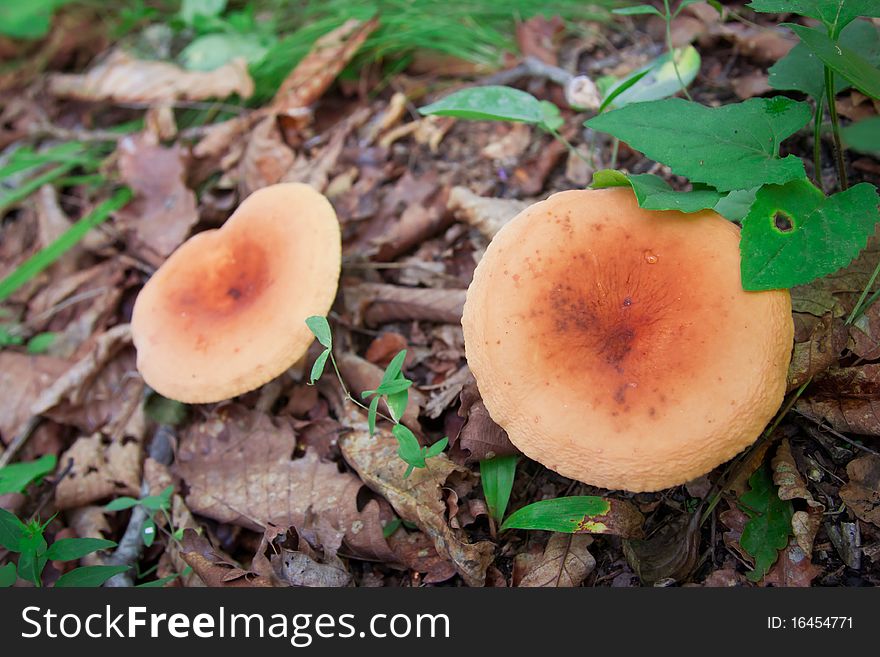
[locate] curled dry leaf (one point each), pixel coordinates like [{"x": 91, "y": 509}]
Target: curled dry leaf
[
  {"x": 847, "y": 398},
  {"x": 266, "y": 157},
  {"x": 103, "y": 467},
  {"x": 804, "y": 523},
  {"x": 792, "y": 569},
  {"x": 373, "y": 304},
  {"x": 417, "y": 551},
  {"x": 214, "y": 569},
  {"x": 418, "y": 498},
  {"x": 123, "y": 79},
  {"x": 862, "y": 493},
  {"x": 163, "y": 210},
  {"x": 487, "y": 215},
  {"x": 670, "y": 552},
  {"x": 480, "y": 435},
  {"x": 566, "y": 562},
  {"x": 239, "y": 470}
]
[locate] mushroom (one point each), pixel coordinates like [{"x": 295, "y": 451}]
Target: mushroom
[
  {"x": 226, "y": 312},
  {"x": 617, "y": 346}
]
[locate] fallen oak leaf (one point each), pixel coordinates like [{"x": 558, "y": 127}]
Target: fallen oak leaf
[
  {"x": 793, "y": 568},
  {"x": 214, "y": 570},
  {"x": 566, "y": 562},
  {"x": 804, "y": 523},
  {"x": 862, "y": 493}
]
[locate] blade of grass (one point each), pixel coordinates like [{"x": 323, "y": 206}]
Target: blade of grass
[
  {"x": 32, "y": 185},
  {"x": 45, "y": 257}
]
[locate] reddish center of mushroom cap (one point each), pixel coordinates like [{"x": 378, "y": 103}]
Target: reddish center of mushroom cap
[
  {"x": 621, "y": 319},
  {"x": 220, "y": 282}
]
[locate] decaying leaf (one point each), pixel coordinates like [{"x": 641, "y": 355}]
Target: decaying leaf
[
  {"x": 418, "y": 498},
  {"x": 804, "y": 523},
  {"x": 847, "y": 398},
  {"x": 214, "y": 569},
  {"x": 417, "y": 551},
  {"x": 239, "y": 468},
  {"x": 670, "y": 552},
  {"x": 862, "y": 493},
  {"x": 566, "y": 562},
  {"x": 480, "y": 436},
  {"x": 123, "y": 79},
  {"x": 487, "y": 215},
  {"x": 818, "y": 351},
  {"x": 22, "y": 378},
  {"x": 103, "y": 467},
  {"x": 792, "y": 569}
]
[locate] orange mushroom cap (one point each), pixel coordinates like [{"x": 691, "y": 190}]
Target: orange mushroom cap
[
  {"x": 226, "y": 312},
  {"x": 617, "y": 346}
]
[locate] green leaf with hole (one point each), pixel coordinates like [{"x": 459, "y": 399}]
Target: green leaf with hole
[
  {"x": 769, "y": 525},
  {"x": 586, "y": 514},
  {"x": 863, "y": 136},
  {"x": 857, "y": 70},
  {"x": 148, "y": 532},
  {"x": 320, "y": 328},
  {"x": 496, "y": 103},
  {"x": 730, "y": 147},
  {"x": 15, "y": 478},
  {"x": 8, "y": 575},
  {"x": 88, "y": 576},
  {"x": 70, "y": 549},
  {"x": 657, "y": 79},
  {"x": 833, "y": 14},
  {"x": 788, "y": 221},
  {"x": 497, "y": 475}
]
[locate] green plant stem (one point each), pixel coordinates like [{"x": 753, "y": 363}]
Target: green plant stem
[
  {"x": 615, "y": 146},
  {"x": 348, "y": 394},
  {"x": 817, "y": 142},
  {"x": 571, "y": 148},
  {"x": 672, "y": 50},
  {"x": 835, "y": 127}
]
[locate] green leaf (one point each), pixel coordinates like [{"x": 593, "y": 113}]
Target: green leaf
[
  {"x": 789, "y": 222},
  {"x": 69, "y": 549},
  {"x": 121, "y": 503},
  {"x": 408, "y": 447},
  {"x": 863, "y": 136},
  {"x": 653, "y": 193},
  {"x": 658, "y": 78},
  {"x": 615, "y": 88},
  {"x": 8, "y": 575},
  {"x": 735, "y": 206},
  {"x": 637, "y": 10},
  {"x": 729, "y": 147},
  {"x": 41, "y": 342},
  {"x": 320, "y": 328},
  {"x": 394, "y": 368},
  {"x": 834, "y": 14},
  {"x": 551, "y": 117},
  {"x": 495, "y": 103},
  {"x": 32, "y": 558},
  {"x": 318, "y": 367},
  {"x": 189, "y": 9},
  {"x": 391, "y": 527},
  {"x": 15, "y": 478},
  {"x": 27, "y": 20},
  {"x": 497, "y": 475},
  {"x": 12, "y": 531},
  {"x": 769, "y": 524},
  {"x": 803, "y": 71},
  {"x": 211, "y": 51},
  {"x": 46, "y": 256},
  {"x": 371, "y": 414},
  {"x": 604, "y": 178},
  {"x": 162, "y": 410},
  {"x": 88, "y": 576},
  {"x": 437, "y": 448},
  {"x": 585, "y": 514},
  {"x": 158, "y": 502},
  {"x": 856, "y": 69},
  {"x": 157, "y": 583},
  {"x": 392, "y": 387},
  {"x": 397, "y": 402},
  {"x": 148, "y": 532}
]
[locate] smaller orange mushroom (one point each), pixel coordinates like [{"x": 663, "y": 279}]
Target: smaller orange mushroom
[{"x": 226, "y": 312}]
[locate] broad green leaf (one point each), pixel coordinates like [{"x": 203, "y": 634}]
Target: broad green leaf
[
  {"x": 148, "y": 532},
  {"x": 409, "y": 448},
  {"x": 730, "y": 147},
  {"x": 16, "y": 477},
  {"x": 393, "y": 386},
  {"x": 394, "y": 367},
  {"x": 803, "y": 71},
  {"x": 88, "y": 576},
  {"x": 158, "y": 502},
  {"x": 863, "y": 136},
  {"x": 8, "y": 575},
  {"x": 397, "y": 402},
  {"x": 189, "y": 9},
  {"x": 12, "y": 531},
  {"x": 212, "y": 51},
  {"x": 493, "y": 103},
  {"x": 437, "y": 448},
  {"x": 121, "y": 503},
  {"x": 659, "y": 79},
  {"x": 851, "y": 65},
  {"x": 497, "y": 475},
  {"x": 609, "y": 178},
  {"x": 41, "y": 342},
  {"x": 551, "y": 117},
  {"x": 653, "y": 193},
  {"x": 69, "y": 549},
  {"x": 318, "y": 367},
  {"x": 793, "y": 234},
  {"x": 834, "y": 14},
  {"x": 165, "y": 411},
  {"x": 735, "y": 206},
  {"x": 27, "y": 19},
  {"x": 32, "y": 555},
  {"x": 585, "y": 514},
  {"x": 320, "y": 328},
  {"x": 46, "y": 256},
  {"x": 637, "y": 10},
  {"x": 769, "y": 525}
]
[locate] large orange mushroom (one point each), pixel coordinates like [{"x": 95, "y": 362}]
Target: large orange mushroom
[
  {"x": 226, "y": 312},
  {"x": 617, "y": 346}
]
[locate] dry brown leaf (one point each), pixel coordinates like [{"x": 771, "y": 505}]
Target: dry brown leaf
[
  {"x": 817, "y": 352},
  {"x": 531, "y": 176},
  {"x": 374, "y": 304},
  {"x": 123, "y": 79},
  {"x": 488, "y": 215},
  {"x": 163, "y": 209},
  {"x": 793, "y": 568},
  {"x": 481, "y": 437},
  {"x": 724, "y": 578},
  {"x": 670, "y": 552},
  {"x": 760, "y": 43},
  {"x": 214, "y": 569},
  {"x": 864, "y": 334},
  {"x": 22, "y": 378},
  {"x": 417, "y": 551},
  {"x": 536, "y": 37},
  {"x": 847, "y": 398},
  {"x": 418, "y": 498},
  {"x": 181, "y": 518},
  {"x": 239, "y": 470},
  {"x": 862, "y": 493},
  {"x": 566, "y": 562},
  {"x": 103, "y": 467},
  {"x": 266, "y": 157},
  {"x": 792, "y": 486}
]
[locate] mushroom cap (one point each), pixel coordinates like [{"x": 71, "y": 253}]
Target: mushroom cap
[
  {"x": 226, "y": 312},
  {"x": 617, "y": 346}
]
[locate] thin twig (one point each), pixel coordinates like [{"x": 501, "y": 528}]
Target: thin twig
[{"x": 823, "y": 426}]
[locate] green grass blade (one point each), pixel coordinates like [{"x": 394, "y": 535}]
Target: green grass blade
[{"x": 497, "y": 475}]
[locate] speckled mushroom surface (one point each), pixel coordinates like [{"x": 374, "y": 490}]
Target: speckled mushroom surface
[
  {"x": 617, "y": 346},
  {"x": 226, "y": 312}
]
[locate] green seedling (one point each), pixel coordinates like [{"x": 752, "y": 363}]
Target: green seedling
[
  {"x": 16, "y": 477},
  {"x": 152, "y": 504}
]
